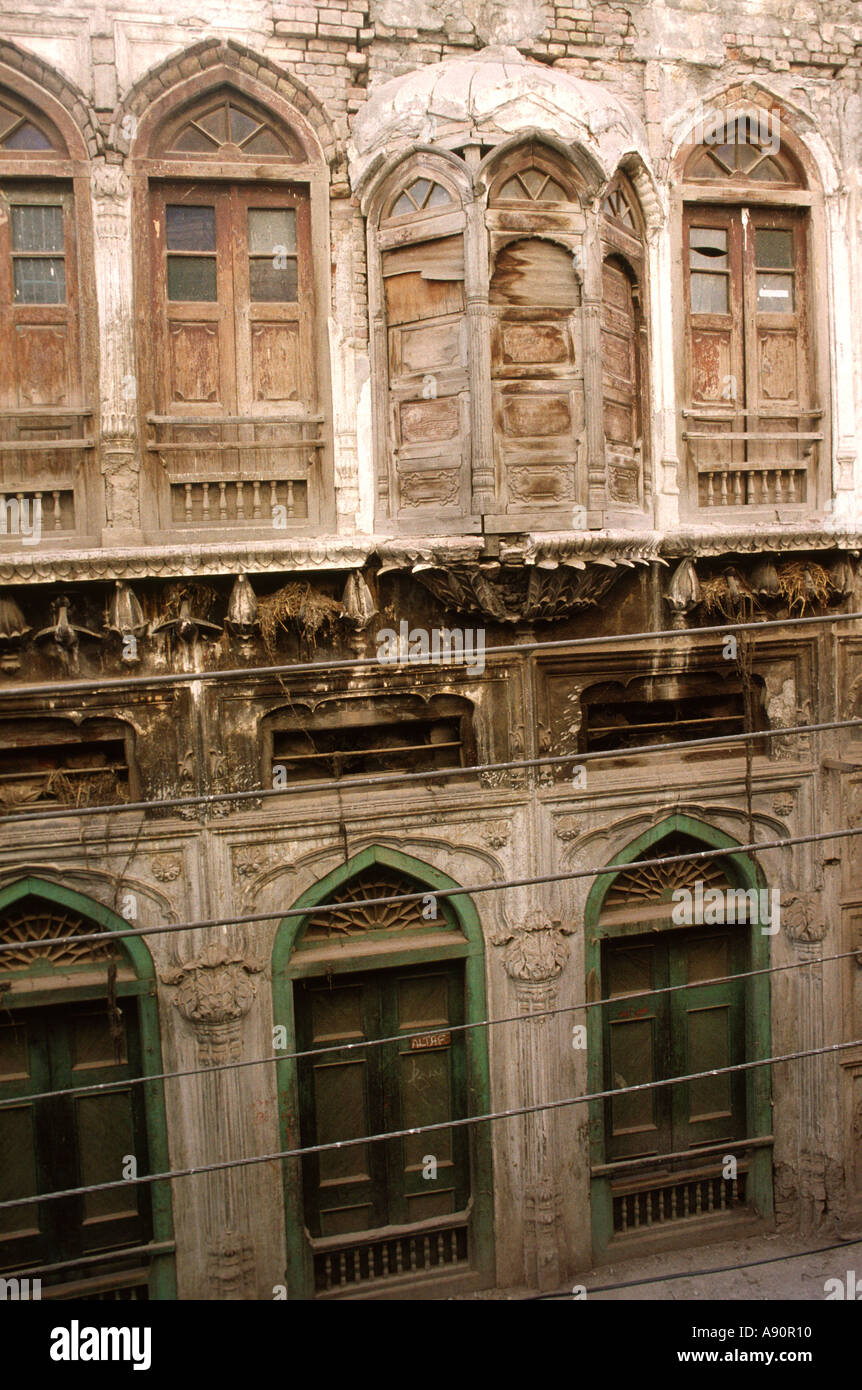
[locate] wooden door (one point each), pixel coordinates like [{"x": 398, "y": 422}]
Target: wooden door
[
  {"x": 537, "y": 377},
  {"x": 674, "y": 1034},
  {"x": 49, "y": 1143},
  {"x": 41, "y": 361},
  {"x": 394, "y": 1086}
]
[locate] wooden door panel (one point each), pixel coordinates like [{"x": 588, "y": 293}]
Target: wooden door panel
[
  {"x": 275, "y": 362},
  {"x": 195, "y": 364},
  {"x": 43, "y": 363},
  {"x": 621, "y": 386}
]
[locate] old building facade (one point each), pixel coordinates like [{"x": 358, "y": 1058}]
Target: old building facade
[{"x": 530, "y": 323}]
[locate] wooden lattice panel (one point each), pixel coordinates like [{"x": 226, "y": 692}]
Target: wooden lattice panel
[
  {"x": 359, "y": 915},
  {"x": 655, "y": 883},
  {"x": 37, "y": 923}
]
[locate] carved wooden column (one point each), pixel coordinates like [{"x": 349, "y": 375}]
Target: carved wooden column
[
  {"x": 214, "y": 992},
  {"x": 483, "y": 485},
  {"x": 806, "y": 928},
  {"x": 591, "y": 338},
  {"x": 534, "y": 958},
  {"x": 119, "y": 453}
]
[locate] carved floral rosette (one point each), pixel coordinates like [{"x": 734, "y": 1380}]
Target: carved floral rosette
[{"x": 536, "y": 950}]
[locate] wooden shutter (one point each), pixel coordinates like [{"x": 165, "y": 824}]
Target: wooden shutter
[
  {"x": 636, "y": 1048},
  {"x": 429, "y": 394},
  {"x": 621, "y": 386},
  {"x": 713, "y": 261},
  {"x": 538, "y": 414},
  {"x": 41, "y": 361},
  {"x": 72, "y": 1141},
  {"x": 396, "y": 1086}
]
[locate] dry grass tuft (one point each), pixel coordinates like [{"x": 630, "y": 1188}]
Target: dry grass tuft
[{"x": 301, "y": 609}]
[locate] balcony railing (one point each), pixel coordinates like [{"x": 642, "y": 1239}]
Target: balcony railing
[
  {"x": 770, "y": 463},
  {"x": 43, "y": 451},
  {"x": 241, "y": 470}
]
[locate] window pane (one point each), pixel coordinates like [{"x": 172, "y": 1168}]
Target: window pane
[
  {"x": 241, "y": 125},
  {"x": 419, "y": 191},
  {"x": 194, "y": 141},
  {"x": 265, "y": 142},
  {"x": 632, "y": 1065},
  {"x": 533, "y": 180},
  {"x": 270, "y": 229},
  {"x": 269, "y": 285},
  {"x": 709, "y": 294},
  {"x": 707, "y": 248},
  {"x": 774, "y": 249},
  {"x": 40, "y": 281},
  {"x": 27, "y": 137},
  {"x": 37, "y": 228},
  {"x": 190, "y": 228},
  {"x": 629, "y": 970},
  {"x": 192, "y": 278},
  {"x": 770, "y": 171},
  {"x": 774, "y": 294},
  {"x": 215, "y": 124},
  {"x": 93, "y": 1044},
  {"x": 439, "y": 197}
]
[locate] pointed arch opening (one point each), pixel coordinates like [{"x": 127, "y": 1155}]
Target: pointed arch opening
[
  {"x": 669, "y": 955},
  {"x": 79, "y": 1028},
  {"x": 413, "y": 1211}
]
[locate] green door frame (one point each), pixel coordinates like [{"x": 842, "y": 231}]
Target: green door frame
[
  {"x": 287, "y": 967},
  {"x": 162, "y": 1279},
  {"x": 743, "y": 873}
]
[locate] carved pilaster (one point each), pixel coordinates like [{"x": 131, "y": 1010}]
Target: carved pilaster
[
  {"x": 534, "y": 955},
  {"x": 482, "y": 475},
  {"x": 119, "y": 450},
  {"x": 805, "y": 926},
  {"x": 592, "y": 339}
]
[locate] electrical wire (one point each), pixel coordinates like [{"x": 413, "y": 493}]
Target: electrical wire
[
  {"x": 101, "y": 1087},
  {"x": 692, "y": 1273},
  {"x": 465, "y": 891},
  {"x": 341, "y": 784},
  {"x": 302, "y": 668},
  {"x": 463, "y": 1123}
]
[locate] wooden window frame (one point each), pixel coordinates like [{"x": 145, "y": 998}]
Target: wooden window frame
[
  {"x": 800, "y": 195},
  {"x": 67, "y": 465},
  {"x": 306, "y": 173}
]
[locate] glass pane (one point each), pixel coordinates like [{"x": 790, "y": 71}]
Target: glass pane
[
  {"x": 403, "y": 206},
  {"x": 707, "y": 1048},
  {"x": 17, "y": 1172},
  {"x": 774, "y": 248},
  {"x": 27, "y": 137},
  {"x": 707, "y": 168},
  {"x": 419, "y": 191},
  {"x": 40, "y": 281},
  {"x": 14, "y": 1057},
  {"x": 770, "y": 172},
  {"x": 270, "y": 284},
  {"x": 215, "y": 124},
  {"x": 265, "y": 142},
  {"x": 774, "y": 294},
  {"x": 241, "y": 125},
  {"x": 709, "y": 294},
  {"x": 105, "y": 1137},
  {"x": 707, "y": 248},
  {"x": 194, "y": 141},
  {"x": 93, "y": 1044},
  {"x": 631, "y": 1065},
  {"x": 271, "y": 231},
  {"x": 552, "y": 193},
  {"x": 7, "y": 119},
  {"x": 190, "y": 228},
  {"x": 533, "y": 180},
  {"x": 512, "y": 189},
  {"x": 37, "y": 228},
  {"x": 439, "y": 197},
  {"x": 192, "y": 278}
]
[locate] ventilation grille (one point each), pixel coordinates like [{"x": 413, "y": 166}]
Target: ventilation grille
[
  {"x": 677, "y": 1201},
  {"x": 393, "y": 1257}
]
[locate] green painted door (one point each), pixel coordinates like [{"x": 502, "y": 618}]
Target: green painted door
[
  {"x": 398, "y": 1085},
  {"x": 689, "y": 1030},
  {"x": 53, "y": 1142}
]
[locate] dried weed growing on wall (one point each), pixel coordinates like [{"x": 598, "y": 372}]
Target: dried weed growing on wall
[{"x": 298, "y": 608}]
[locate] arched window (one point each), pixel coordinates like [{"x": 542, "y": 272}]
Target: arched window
[
  {"x": 78, "y": 1017},
  {"x": 422, "y": 350},
  {"x": 236, "y": 368},
  {"x": 697, "y": 925},
  {"x": 45, "y": 373},
  {"x": 379, "y": 1214},
  {"x": 750, "y": 345}
]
